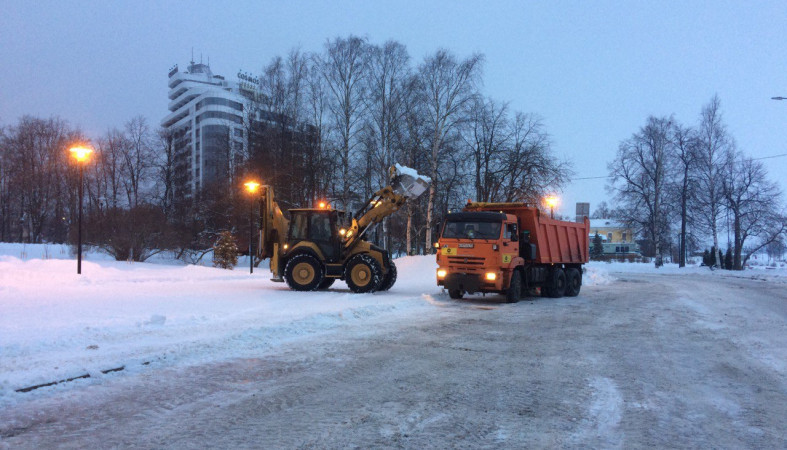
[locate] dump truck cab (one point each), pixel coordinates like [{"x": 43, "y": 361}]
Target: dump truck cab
[
  {"x": 511, "y": 249},
  {"x": 478, "y": 251}
]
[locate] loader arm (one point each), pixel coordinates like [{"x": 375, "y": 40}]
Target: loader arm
[{"x": 405, "y": 184}]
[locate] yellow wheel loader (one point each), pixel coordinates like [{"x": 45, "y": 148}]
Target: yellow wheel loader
[{"x": 317, "y": 246}]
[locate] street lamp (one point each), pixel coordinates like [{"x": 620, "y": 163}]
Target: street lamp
[
  {"x": 81, "y": 154},
  {"x": 251, "y": 187},
  {"x": 778, "y": 98},
  {"x": 551, "y": 201}
]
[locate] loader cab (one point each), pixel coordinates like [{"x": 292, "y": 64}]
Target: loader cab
[{"x": 319, "y": 226}]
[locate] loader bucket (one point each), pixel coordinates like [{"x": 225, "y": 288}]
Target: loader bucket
[{"x": 407, "y": 182}]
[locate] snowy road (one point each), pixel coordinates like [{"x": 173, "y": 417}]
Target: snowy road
[{"x": 648, "y": 360}]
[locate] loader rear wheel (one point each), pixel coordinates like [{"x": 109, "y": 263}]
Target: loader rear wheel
[
  {"x": 573, "y": 282},
  {"x": 363, "y": 274},
  {"x": 558, "y": 288},
  {"x": 514, "y": 291},
  {"x": 303, "y": 272},
  {"x": 455, "y": 294},
  {"x": 390, "y": 278}
]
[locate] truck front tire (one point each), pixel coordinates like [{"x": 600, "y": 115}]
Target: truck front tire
[{"x": 514, "y": 291}]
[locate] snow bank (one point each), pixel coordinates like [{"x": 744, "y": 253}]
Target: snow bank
[{"x": 57, "y": 325}]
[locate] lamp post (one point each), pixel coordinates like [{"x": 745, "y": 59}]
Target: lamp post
[
  {"x": 81, "y": 154},
  {"x": 251, "y": 187},
  {"x": 778, "y": 98},
  {"x": 551, "y": 201}
]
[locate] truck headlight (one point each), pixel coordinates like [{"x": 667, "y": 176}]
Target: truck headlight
[
  {"x": 441, "y": 273},
  {"x": 491, "y": 276}
]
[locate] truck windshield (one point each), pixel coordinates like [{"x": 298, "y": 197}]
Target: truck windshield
[{"x": 472, "y": 230}]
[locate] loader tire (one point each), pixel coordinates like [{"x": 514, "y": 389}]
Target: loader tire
[
  {"x": 558, "y": 288},
  {"x": 363, "y": 274},
  {"x": 455, "y": 294},
  {"x": 573, "y": 282},
  {"x": 303, "y": 272},
  {"x": 326, "y": 283},
  {"x": 390, "y": 278},
  {"x": 514, "y": 291}
]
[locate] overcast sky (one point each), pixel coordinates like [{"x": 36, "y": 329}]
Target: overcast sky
[{"x": 593, "y": 71}]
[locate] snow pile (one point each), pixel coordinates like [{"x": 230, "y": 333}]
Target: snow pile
[
  {"x": 56, "y": 325},
  {"x": 596, "y": 276}
]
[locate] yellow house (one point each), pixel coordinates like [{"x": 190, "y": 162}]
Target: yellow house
[{"x": 616, "y": 237}]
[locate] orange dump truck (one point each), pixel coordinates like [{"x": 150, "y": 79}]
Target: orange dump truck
[{"x": 510, "y": 248}]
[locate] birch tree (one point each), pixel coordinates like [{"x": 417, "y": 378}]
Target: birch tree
[
  {"x": 714, "y": 146},
  {"x": 639, "y": 178},
  {"x": 446, "y": 86},
  {"x": 344, "y": 68}
]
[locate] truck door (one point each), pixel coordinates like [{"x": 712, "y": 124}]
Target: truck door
[{"x": 510, "y": 248}]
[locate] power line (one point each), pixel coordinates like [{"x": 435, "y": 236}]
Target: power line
[
  {"x": 751, "y": 159},
  {"x": 768, "y": 157}
]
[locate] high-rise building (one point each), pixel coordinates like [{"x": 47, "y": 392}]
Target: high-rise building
[{"x": 208, "y": 126}]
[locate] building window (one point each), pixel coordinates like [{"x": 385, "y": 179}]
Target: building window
[
  {"x": 238, "y": 132},
  {"x": 624, "y": 236},
  {"x": 609, "y": 237}
]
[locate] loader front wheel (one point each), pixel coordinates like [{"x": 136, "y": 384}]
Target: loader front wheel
[
  {"x": 363, "y": 274},
  {"x": 390, "y": 278},
  {"x": 303, "y": 273}
]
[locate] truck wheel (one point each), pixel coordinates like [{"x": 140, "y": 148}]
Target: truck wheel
[
  {"x": 455, "y": 294},
  {"x": 573, "y": 282},
  {"x": 363, "y": 274},
  {"x": 514, "y": 291},
  {"x": 390, "y": 278},
  {"x": 326, "y": 283},
  {"x": 303, "y": 272},
  {"x": 558, "y": 288}
]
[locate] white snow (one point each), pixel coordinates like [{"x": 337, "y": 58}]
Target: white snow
[{"x": 56, "y": 325}]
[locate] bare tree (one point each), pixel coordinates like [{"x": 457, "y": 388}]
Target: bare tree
[
  {"x": 639, "y": 178},
  {"x": 344, "y": 67},
  {"x": 36, "y": 160},
  {"x": 137, "y": 159},
  {"x": 110, "y": 171},
  {"x": 684, "y": 182},
  {"x": 387, "y": 89},
  {"x": 714, "y": 146},
  {"x": 532, "y": 170},
  {"x": 751, "y": 199},
  {"x": 446, "y": 86},
  {"x": 165, "y": 166}
]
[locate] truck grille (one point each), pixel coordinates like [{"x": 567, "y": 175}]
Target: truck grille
[{"x": 466, "y": 261}]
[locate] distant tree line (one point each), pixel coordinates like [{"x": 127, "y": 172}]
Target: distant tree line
[
  {"x": 680, "y": 185},
  {"x": 326, "y": 125}
]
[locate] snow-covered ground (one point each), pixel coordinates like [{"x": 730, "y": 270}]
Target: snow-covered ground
[{"x": 56, "y": 325}]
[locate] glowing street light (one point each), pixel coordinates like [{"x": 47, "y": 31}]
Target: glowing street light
[
  {"x": 552, "y": 201},
  {"x": 81, "y": 155},
  {"x": 251, "y": 188}
]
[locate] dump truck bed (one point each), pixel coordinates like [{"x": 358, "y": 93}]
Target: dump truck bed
[{"x": 557, "y": 241}]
